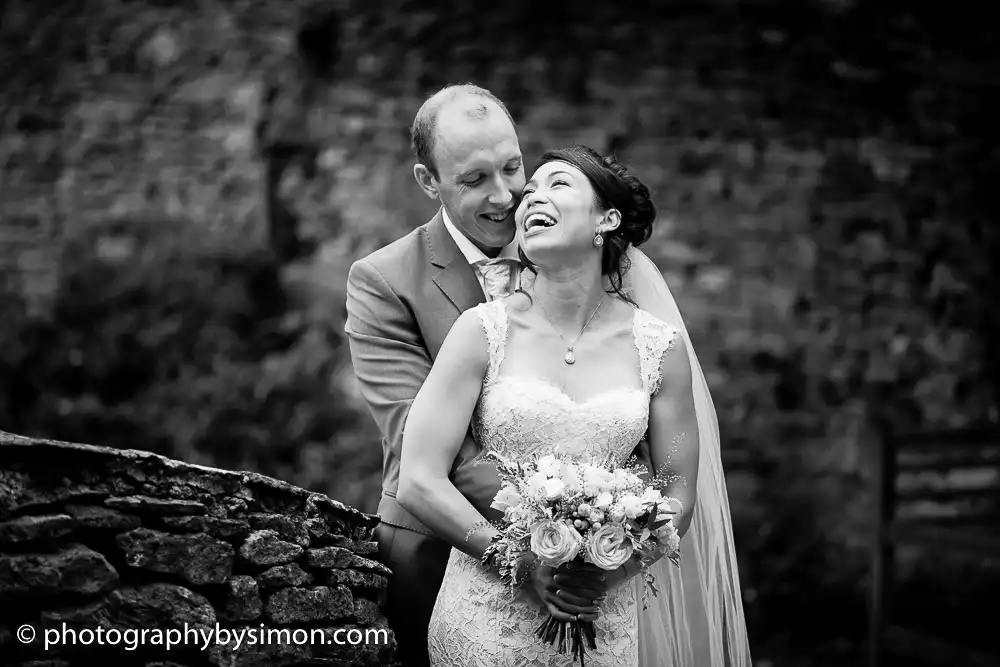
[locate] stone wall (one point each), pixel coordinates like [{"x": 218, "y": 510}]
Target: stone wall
[{"x": 150, "y": 561}]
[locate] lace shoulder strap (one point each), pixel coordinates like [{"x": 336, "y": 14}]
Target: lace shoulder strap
[
  {"x": 493, "y": 317},
  {"x": 653, "y": 338}
]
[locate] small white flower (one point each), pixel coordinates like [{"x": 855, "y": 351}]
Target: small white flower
[
  {"x": 553, "y": 489},
  {"x": 571, "y": 477},
  {"x": 632, "y": 505},
  {"x": 652, "y": 496},
  {"x": 596, "y": 480},
  {"x": 506, "y": 497},
  {"x": 603, "y": 500},
  {"x": 536, "y": 485},
  {"x": 548, "y": 466}
]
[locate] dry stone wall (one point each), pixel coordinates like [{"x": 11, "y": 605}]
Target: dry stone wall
[{"x": 122, "y": 556}]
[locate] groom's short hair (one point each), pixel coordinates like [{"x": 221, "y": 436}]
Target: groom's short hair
[{"x": 422, "y": 133}]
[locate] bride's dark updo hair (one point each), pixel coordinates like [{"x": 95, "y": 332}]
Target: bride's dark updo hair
[{"x": 614, "y": 187}]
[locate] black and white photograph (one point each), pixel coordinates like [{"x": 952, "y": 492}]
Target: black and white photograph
[{"x": 415, "y": 333}]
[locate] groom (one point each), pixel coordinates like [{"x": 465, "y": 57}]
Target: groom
[{"x": 403, "y": 299}]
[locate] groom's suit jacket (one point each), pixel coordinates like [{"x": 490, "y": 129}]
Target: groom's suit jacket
[{"x": 401, "y": 302}]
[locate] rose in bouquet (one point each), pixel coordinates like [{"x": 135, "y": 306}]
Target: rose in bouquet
[{"x": 561, "y": 510}]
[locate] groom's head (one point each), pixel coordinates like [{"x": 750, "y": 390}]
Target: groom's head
[{"x": 469, "y": 159}]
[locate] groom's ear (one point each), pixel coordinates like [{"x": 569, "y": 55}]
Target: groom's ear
[{"x": 426, "y": 181}]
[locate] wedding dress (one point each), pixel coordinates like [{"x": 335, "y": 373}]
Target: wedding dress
[{"x": 477, "y": 621}]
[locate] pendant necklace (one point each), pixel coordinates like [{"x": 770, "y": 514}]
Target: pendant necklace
[{"x": 569, "y": 357}]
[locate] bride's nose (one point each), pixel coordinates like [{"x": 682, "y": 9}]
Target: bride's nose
[{"x": 533, "y": 196}]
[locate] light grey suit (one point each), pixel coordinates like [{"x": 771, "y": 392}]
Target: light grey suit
[{"x": 401, "y": 302}]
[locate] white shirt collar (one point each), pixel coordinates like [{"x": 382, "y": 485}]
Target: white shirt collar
[{"x": 468, "y": 248}]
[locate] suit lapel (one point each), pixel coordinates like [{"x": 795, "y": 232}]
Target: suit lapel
[{"x": 456, "y": 279}]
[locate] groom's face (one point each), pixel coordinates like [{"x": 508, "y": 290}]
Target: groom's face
[{"x": 480, "y": 173}]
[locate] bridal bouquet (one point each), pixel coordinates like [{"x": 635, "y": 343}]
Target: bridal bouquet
[{"x": 561, "y": 510}]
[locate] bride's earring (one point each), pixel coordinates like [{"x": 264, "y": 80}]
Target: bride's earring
[{"x": 598, "y": 240}]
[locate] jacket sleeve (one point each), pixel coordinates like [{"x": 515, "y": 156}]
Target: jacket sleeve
[{"x": 391, "y": 362}]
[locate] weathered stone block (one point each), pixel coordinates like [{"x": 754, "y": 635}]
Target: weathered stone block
[
  {"x": 28, "y": 529},
  {"x": 286, "y": 528},
  {"x": 243, "y": 599},
  {"x": 367, "y": 612},
  {"x": 223, "y": 529},
  {"x": 370, "y": 565},
  {"x": 280, "y": 576},
  {"x": 234, "y": 506},
  {"x": 365, "y": 548},
  {"x": 197, "y": 558},
  {"x": 264, "y": 548},
  {"x": 160, "y": 606},
  {"x": 329, "y": 557},
  {"x": 156, "y": 506},
  {"x": 102, "y": 518},
  {"x": 21, "y": 493},
  {"x": 305, "y": 605},
  {"x": 339, "y": 557},
  {"x": 319, "y": 532},
  {"x": 356, "y": 580},
  {"x": 340, "y": 518},
  {"x": 155, "y": 607},
  {"x": 76, "y": 570}
]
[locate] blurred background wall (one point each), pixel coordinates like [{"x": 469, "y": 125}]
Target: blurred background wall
[{"x": 185, "y": 184}]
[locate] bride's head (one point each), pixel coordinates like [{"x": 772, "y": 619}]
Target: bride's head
[{"x": 580, "y": 207}]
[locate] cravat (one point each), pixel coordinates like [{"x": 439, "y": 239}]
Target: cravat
[{"x": 498, "y": 276}]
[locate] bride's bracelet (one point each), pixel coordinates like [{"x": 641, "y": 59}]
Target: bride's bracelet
[{"x": 476, "y": 527}]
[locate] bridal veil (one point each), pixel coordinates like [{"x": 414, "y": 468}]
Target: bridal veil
[{"x": 697, "y": 618}]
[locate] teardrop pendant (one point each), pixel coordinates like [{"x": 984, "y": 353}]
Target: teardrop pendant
[{"x": 569, "y": 358}]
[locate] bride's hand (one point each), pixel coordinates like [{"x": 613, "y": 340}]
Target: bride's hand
[{"x": 569, "y": 595}]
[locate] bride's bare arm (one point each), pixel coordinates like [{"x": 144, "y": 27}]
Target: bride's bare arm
[
  {"x": 435, "y": 427},
  {"x": 674, "y": 443},
  {"x": 673, "y": 429}
]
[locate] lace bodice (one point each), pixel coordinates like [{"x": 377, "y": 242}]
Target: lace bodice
[
  {"x": 518, "y": 416},
  {"x": 477, "y": 622}
]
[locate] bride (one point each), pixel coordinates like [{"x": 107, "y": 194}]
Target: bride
[{"x": 571, "y": 363}]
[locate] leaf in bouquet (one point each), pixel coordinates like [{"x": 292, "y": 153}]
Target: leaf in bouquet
[{"x": 656, "y": 525}]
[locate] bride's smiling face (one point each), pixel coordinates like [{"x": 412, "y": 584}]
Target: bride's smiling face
[{"x": 558, "y": 217}]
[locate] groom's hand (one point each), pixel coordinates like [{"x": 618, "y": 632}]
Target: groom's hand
[
  {"x": 644, "y": 461},
  {"x": 568, "y": 594},
  {"x": 477, "y": 479}
]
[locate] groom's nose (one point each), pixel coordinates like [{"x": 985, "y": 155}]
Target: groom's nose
[{"x": 500, "y": 194}]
